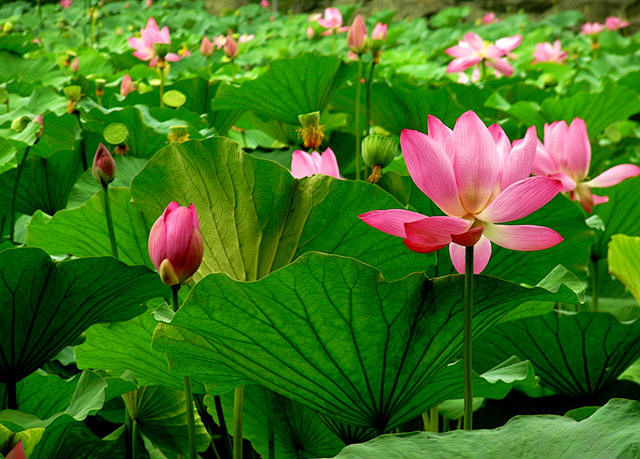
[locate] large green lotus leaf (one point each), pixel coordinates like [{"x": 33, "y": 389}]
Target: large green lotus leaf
[
  {"x": 127, "y": 346},
  {"x": 299, "y": 433},
  {"x": 29, "y": 437},
  {"x": 255, "y": 217},
  {"x": 333, "y": 334},
  {"x": 288, "y": 88},
  {"x": 612, "y": 431},
  {"x": 574, "y": 354},
  {"x": 59, "y": 133},
  {"x": 82, "y": 231},
  {"x": 45, "y": 306},
  {"x": 40, "y": 100},
  {"x": 624, "y": 262},
  {"x": 161, "y": 413}
]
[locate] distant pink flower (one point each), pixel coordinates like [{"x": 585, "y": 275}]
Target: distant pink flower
[
  {"x": 245, "y": 38},
  {"x": 230, "y": 46},
  {"x": 479, "y": 180},
  {"x": 310, "y": 32},
  {"x": 66, "y": 3},
  {"x": 305, "y": 164},
  {"x": 615, "y": 23},
  {"x": 149, "y": 36},
  {"x": 591, "y": 28},
  {"x": 379, "y": 32},
  {"x": 264, "y": 4},
  {"x": 472, "y": 50},
  {"x": 75, "y": 65},
  {"x": 219, "y": 41},
  {"x": 357, "y": 36},
  {"x": 546, "y": 52},
  {"x": 566, "y": 156},
  {"x": 490, "y": 18},
  {"x": 149, "y": 3},
  {"x": 127, "y": 86},
  {"x": 332, "y": 21},
  {"x": 206, "y": 47}
]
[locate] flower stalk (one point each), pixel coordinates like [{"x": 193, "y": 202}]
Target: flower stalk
[
  {"x": 369, "y": 84},
  {"x": 107, "y": 212},
  {"x": 238, "y": 409},
  {"x": 357, "y": 118},
  {"x": 466, "y": 357}
]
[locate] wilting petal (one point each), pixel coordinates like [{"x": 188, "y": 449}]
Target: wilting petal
[
  {"x": 172, "y": 57},
  {"x": 520, "y": 199},
  {"x": 390, "y": 221},
  {"x": 522, "y": 237},
  {"x": 518, "y": 163},
  {"x": 481, "y": 255},
  {"x": 462, "y": 63},
  {"x": 578, "y": 149},
  {"x": 475, "y": 162},
  {"x": 431, "y": 170},
  {"x": 501, "y": 65},
  {"x": 143, "y": 54},
  {"x": 432, "y": 231},
  {"x": 614, "y": 176}
]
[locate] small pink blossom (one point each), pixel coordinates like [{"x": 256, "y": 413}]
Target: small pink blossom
[
  {"x": 480, "y": 180},
  {"x": 472, "y": 50},
  {"x": 615, "y": 23},
  {"x": 566, "y": 156},
  {"x": 66, "y": 3},
  {"x": 547, "y": 52},
  {"x": 332, "y": 21},
  {"x": 264, "y": 4},
  {"x": 379, "y": 32},
  {"x": 245, "y": 38},
  {"x": 310, "y": 32},
  {"x": 127, "y": 86},
  {"x": 490, "y": 18},
  {"x": 149, "y": 3},
  {"x": 590, "y": 28},
  {"x": 219, "y": 41},
  {"x": 230, "y": 46},
  {"x": 149, "y": 36},
  {"x": 75, "y": 65},
  {"x": 305, "y": 164},
  {"x": 206, "y": 47}
]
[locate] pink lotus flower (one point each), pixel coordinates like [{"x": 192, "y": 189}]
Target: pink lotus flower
[
  {"x": 127, "y": 86},
  {"x": 264, "y": 4},
  {"x": 472, "y": 50},
  {"x": 104, "y": 167},
  {"x": 66, "y": 3},
  {"x": 490, "y": 18},
  {"x": 357, "y": 36},
  {"x": 566, "y": 155},
  {"x": 230, "y": 46},
  {"x": 546, "y": 52},
  {"x": 206, "y": 47},
  {"x": 149, "y": 36},
  {"x": 175, "y": 244},
  {"x": 332, "y": 21},
  {"x": 591, "y": 28},
  {"x": 478, "y": 179},
  {"x": 615, "y": 23},
  {"x": 305, "y": 164},
  {"x": 379, "y": 32}
]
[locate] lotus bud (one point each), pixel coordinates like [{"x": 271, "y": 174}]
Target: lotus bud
[
  {"x": 175, "y": 244},
  {"x": 104, "y": 167},
  {"x": 206, "y": 47},
  {"x": 127, "y": 86},
  {"x": 378, "y": 37},
  {"x": 38, "y": 119},
  {"x": 357, "y": 37},
  {"x": 311, "y": 132},
  {"x": 378, "y": 151},
  {"x": 230, "y": 47},
  {"x": 75, "y": 65},
  {"x": 310, "y": 33}
]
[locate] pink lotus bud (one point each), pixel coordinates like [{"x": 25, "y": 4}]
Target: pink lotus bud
[
  {"x": 490, "y": 18},
  {"x": 264, "y": 4},
  {"x": 104, "y": 167},
  {"x": 357, "y": 37},
  {"x": 380, "y": 32},
  {"x": 127, "y": 86},
  {"x": 206, "y": 47},
  {"x": 38, "y": 119},
  {"x": 17, "y": 452},
  {"x": 149, "y": 3},
  {"x": 66, "y": 3},
  {"x": 230, "y": 47},
  {"x": 175, "y": 244},
  {"x": 310, "y": 32},
  {"x": 74, "y": 65}
]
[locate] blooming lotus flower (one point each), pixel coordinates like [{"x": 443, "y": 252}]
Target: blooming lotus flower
[
  {"x": 546, "y": 52},
  {"x": 566, "y": 155},
  {"x": 305, "y": 164},
  {"x": 127, "y": 86},
  {"x": 66, "y": 3},
  {"x": 206, "y": 47},
  {"x": 379, "y": 32},
  {"x": 149, "y": 36},
  {"x": 357, "y": 36},
  {"x": 230, "y": 47},
  {"x": 472, "y": 50},
  {"x": 104, "y": 167},
  {"x": 479, "y": 180},
  {"x": 490, "y": 18},
  {"x": 332, "y": 21},
  {"x": 590, "y": 28},
  {"x": 175, "y": 244},
  {"x": 615, "y": 23}
]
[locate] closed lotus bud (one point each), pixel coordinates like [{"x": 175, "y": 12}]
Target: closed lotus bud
[
  {"x": 310, "y": 32},
  {"x": 104, "y": 167},
  {"x": 206, "y": 47},
  {"x": 311, "y": 132},
  {"x": 230, "y": 47},
  {"x": 175, "y": 244},
  {"x": 127, "y": 86},
  {"x": 378, "y": 36},
  {"x": 357, "y": 37},
  {"x": 378, "y": 151},
  {"x": 38, "y": 119},
  {"x": 75, "y": 65}
]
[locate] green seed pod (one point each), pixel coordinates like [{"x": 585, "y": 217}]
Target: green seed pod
[
  {"x": 162, "y": 49},
  {"x": 309, "y": 120},
  {"x": 19, "y": 124},
  {"x": 378, "y": 150}
]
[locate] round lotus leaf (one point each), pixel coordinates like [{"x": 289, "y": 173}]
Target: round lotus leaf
[
  {"x": 116, "y": 133},
  {"x": 174, "y": 98}
]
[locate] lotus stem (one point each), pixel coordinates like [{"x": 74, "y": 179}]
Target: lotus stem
[
  {"x": 238, "y": 409},
  {"x": 14, "y": 197},
  {"x": 466, "y": 356},
  {"x": 188, "y": 391},
  {"x": 483, "y": 71},
  {"x": 223, "y": 425},
  {"x": 434, "y": 416},
  {"x": 107, "y": 212},
  {"x": 369, "y": 85},
  {"x": 357, "y": 117},
  {"x": 134, "y": 438},
  {"x": 161, "y": 86},
  {"x": 128, "y": 437},
  {"x": 594, "y": 285}
]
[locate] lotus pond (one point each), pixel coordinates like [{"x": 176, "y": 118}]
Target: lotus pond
[{"x": 262, "y": 234}]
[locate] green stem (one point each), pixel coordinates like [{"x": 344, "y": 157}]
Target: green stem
[
  {"x": 434, "y": 417},
  {"x": 134, "y": 438},
  {"x": 357, "y": 117},
  {"x": 369, "y": 85},
  {"x": 127, "y": 431},
  {"x": 426, "y": 422},
  {"x": 238, "y": 409},
  {"x": 483, "y": 71},
  {"x": 162, "y": 87},
  {"x": 335, "y": 43},
  {"x": 466, "y": 357},
  {"x": 14, "y": 196},
  {"x": 107, "y": 212},
  {"x": 594, "y": 285},
  {"x": 188, "y": 391},
  {"x": 223, "y": 425}
]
